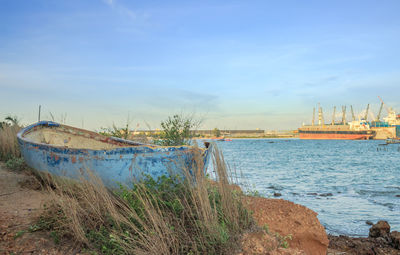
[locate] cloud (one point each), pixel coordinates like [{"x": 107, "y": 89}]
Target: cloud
[
  {"x": 123, "y": 10},
  {"x": 109, "y": 2}
]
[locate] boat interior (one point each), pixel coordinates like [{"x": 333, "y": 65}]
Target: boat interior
[{"x": 72, "y": 138}]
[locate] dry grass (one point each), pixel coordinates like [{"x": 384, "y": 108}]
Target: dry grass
[
  {"x": 8, "y": 142},
  {"x": 165, "y": 216}
]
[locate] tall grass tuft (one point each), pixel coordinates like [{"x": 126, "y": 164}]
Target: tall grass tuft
[
  {"x": 170, "y": 215},
  {"x": 8, "y": 142}
]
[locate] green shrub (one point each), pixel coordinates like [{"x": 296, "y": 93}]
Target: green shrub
[
  {"x": 116, "y": 132},
  {"x": 177, "y": 131},
  {"x": 15, "y": 164}
]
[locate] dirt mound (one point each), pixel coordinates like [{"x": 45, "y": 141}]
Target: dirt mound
[{"x": 288, "y": 218}]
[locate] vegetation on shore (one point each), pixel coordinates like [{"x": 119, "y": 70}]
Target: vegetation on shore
[
  {"x": 168, "y": 215},
  {"x": 9, "y": 149},
  {"x": 176, "y": 130}
]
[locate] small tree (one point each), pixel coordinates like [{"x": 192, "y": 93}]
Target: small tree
[
  {"x": 176, "y": 130},
  {"x": 216, "y": 132}
]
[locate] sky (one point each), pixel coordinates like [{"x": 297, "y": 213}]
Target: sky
[{"x": 231, "y": 64}]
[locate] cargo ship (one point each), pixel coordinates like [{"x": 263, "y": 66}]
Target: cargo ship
[
  {"x": 337, "y": 132},
  {"x": 354, "y": 130}
]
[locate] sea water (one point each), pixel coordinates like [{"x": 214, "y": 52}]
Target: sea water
[{"x": 346, "y": 182}]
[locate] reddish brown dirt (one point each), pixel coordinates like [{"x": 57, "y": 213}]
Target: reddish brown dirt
[
  {"x": 288, "y": 218},
  {"x": 20, "y": 207},
  {"x": 380, "y": 241},
  {"x": 262, "y": 243},
  {"x": 344, "y": 245}
]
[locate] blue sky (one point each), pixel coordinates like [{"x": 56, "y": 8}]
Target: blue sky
[{"x": 234, "y": 64}]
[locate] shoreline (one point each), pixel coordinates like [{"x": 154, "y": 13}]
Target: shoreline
[
  {"x": 247, "y": 138},
  {"x": 279, "y": 138},
  {"x": 279, "y": 215}
]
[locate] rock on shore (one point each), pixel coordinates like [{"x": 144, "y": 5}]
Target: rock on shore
[
  {"x": 287, "y": 218},
  {"x": 379, "y": 242}
]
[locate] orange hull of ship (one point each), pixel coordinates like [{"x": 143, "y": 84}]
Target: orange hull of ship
[{"x": 335, "y": 136}]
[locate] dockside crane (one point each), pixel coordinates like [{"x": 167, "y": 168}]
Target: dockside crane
[
  {"x": 366, "y": 113},
  {"x": 352, "y": 113},
  {"x": 344, "y": 115},
  {"x": 379, "y": 113},
  {"x": 333, "y": 115},
  {"x": 313, "y": 117},
  {"x": 320, "y": 116},
  {"x": 387, "y": 109}
]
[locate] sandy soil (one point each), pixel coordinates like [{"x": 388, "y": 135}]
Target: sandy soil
[{"x": 21, "y": 202}]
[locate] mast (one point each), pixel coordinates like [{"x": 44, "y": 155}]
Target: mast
[
  {"x": 313, "y": 117},
  {"x": 333, "y": 115},
  {"x": 344, "y": 115},
  {"x": 352, "y": 113},
  {"x": 366, "y": 113}
]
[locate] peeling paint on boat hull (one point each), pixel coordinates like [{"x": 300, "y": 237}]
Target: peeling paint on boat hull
[{"x": 118, "y": 165}]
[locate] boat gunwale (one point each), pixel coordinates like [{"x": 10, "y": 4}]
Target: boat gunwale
[{"x": 146, "y": 148}]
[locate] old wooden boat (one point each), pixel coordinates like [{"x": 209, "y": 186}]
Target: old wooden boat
[{"x": 67, "y": 151}]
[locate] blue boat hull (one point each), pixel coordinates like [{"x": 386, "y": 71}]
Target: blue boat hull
[{"x": 123, "y": 165}]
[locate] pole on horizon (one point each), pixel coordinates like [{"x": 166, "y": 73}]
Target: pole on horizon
[{"x": 39, "y": 112}]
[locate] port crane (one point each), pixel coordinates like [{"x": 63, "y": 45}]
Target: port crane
[
  {"x": 313, "y": 116},
  {"x": 320, "y": 116},
  {"x": 344, "y": 115},
  {"x": 378, "y": 117},
  {"x": 387, "y": 109},
  {"x": 352, "y": 113},
  {"x": 366, "y": 113}
]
